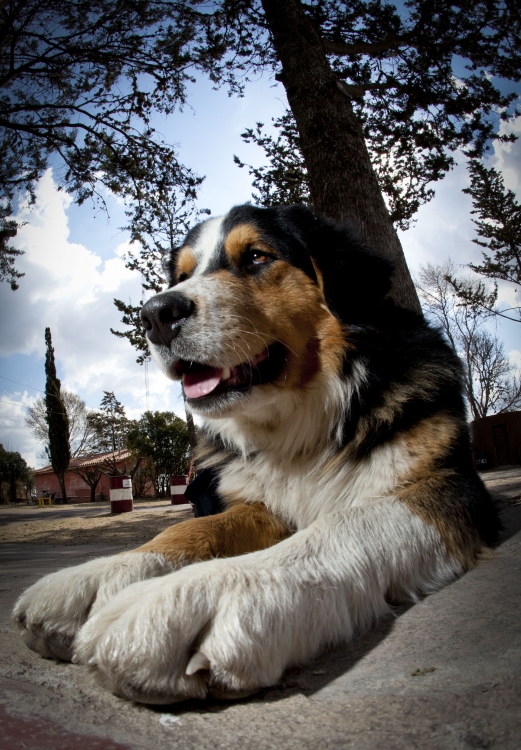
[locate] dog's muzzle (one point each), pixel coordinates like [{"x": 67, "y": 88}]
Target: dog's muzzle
[{"x": 163, "y": 316}]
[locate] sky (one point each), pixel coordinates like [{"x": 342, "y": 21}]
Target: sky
[{"x": 74, "y": 267}]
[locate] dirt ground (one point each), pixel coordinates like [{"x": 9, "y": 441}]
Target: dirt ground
[
  {"x": 444, "y": 674},
  {"x": 93, "y": 523},
  {"x": 89, "y": 523}
]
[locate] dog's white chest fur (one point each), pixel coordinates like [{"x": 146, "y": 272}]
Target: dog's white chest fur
[{"x": 305, "y": 489}]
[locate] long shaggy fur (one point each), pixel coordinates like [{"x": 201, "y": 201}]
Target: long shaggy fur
[{"x": 333, "y": 424}]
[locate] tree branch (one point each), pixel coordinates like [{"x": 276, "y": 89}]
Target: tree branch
[{"x": 365, "y": 48}]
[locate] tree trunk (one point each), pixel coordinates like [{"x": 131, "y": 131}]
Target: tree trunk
[
  {"x": 343, "y": 185},
  {"x": 12, "y": 490},
  {"x": 61, "y": 480},
  {"x": 190, "y": 427}
]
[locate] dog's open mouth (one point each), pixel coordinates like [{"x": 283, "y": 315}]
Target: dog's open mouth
[{"x": 202, "y": 381}]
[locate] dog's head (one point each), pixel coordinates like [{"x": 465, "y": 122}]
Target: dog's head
[{"x": 258, "y": 302}]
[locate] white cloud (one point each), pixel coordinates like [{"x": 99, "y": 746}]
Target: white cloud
[
  {"x": 507, "y": 156},
  {"x": 444, "y": 227},
  {"x": 14, "y": 434},
  {"x": 69, "y": 288},
  {"x": 515, "y": 357}
]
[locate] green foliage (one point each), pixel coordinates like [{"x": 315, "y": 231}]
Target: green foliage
[
  {"x": 110, "y": 427},
  {"x": 80, "y": 80},
  {"x": 110, "y": 424},
  {"x": 8, "y": 253},
  {"x": 284, "y": 181},
  {"x": 422, "y": 79},
  {"x": 499, "y": 231},
  {"x": 161, "y": 440},
  {"x": 14, "y": 470},
  {"x": 57, "y": 420},
  {"x": 157, "y": 225}
]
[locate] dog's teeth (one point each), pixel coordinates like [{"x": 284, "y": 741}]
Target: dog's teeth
[{"x": 226, "y": 373}]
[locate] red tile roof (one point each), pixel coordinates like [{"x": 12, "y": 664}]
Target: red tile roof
[{"x": 91, "y": 460}]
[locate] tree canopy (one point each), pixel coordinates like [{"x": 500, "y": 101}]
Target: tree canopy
[
  {"x": 80, "y": 80},
  {"x": 13, "y": 469},
  {"x": 380, "y": 97},
  {"x": 498, "y": 229},
  {"x": 161, "y": 440}
]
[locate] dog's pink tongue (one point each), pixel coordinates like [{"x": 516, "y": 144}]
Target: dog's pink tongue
[{"x": 197, "y": 384}]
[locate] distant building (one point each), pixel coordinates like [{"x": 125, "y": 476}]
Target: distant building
[
  {"x": 496, "y": 440},
  {"x": 78, "y": 491}
]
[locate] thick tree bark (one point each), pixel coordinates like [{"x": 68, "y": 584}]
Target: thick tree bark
[
  {"x": 61, "y": 480},
  {"x": 343, "y": 185}
]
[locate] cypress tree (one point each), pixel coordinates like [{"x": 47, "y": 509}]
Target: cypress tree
[{"x": 57, "y": 420}]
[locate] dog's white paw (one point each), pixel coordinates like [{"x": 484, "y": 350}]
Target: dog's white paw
[
  {"x": 50, "y": 613},
  {"x": 215, "y": 627}
]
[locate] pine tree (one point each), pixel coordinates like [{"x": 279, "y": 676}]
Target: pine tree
[
  {"x": 59, "y": 448},
  {"x": 378, "y": 94}
]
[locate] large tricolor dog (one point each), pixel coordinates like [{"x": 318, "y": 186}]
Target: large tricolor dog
[{"x": 334, "y": 426}]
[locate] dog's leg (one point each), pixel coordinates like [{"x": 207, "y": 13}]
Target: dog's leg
[
  {"x": 51, "y": 611},
  {"x": 240, "y": 529},
  {"x": 230, "y": 627}
]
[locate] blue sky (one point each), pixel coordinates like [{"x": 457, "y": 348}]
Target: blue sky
[{"x": 74, "y": 268}]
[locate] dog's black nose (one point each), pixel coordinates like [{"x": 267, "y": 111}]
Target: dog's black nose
[{"x": 163, "y": 315}]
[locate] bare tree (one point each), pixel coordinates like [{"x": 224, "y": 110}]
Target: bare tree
[
  {"x": 91, "y": 476},
  {"x": 81, "y": 431},
  {"x": 492, "y": 383}
]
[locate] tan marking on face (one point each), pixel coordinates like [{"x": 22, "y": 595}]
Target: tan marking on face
[
  {"x": 426, "y": 490},
  {"x": 280, "y": 305},
  {"x": 240, "y": 529},
  {"x": 240, "y": 238},
  {"x": 186, "y": 263}
]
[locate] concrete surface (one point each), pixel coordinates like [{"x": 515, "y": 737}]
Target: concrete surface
[{"x": 445, "y": 673}]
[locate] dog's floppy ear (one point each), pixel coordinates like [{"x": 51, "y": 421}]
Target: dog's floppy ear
[{"x": 356, "y": 279}]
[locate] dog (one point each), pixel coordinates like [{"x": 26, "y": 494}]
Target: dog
[{"x": 333, "y": 424}]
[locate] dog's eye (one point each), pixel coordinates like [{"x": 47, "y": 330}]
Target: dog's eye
[
  {"x": 258, "y": 258},
  {"x": 182, "y": 277}
]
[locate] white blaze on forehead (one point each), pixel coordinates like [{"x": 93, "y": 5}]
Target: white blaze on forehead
[{"x": 207, "y": 242}]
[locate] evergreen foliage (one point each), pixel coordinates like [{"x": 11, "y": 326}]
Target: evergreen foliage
[
  {"x": 13, "y": 470},
  {"x": 161, "y": 440},
  {"x": 399, "y": 87},
  {"x": 110, "y": 426},
  {"x": 58, "y": 449},
  {"x": 80, "y": 81},
  {"x": 498, "y": 226}
]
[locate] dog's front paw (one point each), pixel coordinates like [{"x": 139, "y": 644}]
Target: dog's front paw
[
  {"x": 207, "y": 629},
  {"x": 50, "y": 613}
]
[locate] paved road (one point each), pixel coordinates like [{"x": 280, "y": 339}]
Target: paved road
[{"x": 444, "y": 674}]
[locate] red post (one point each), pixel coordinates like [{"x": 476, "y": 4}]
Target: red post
[
  {"x": 121, "y": 495},
  {"x": 177, "y": 490}
]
